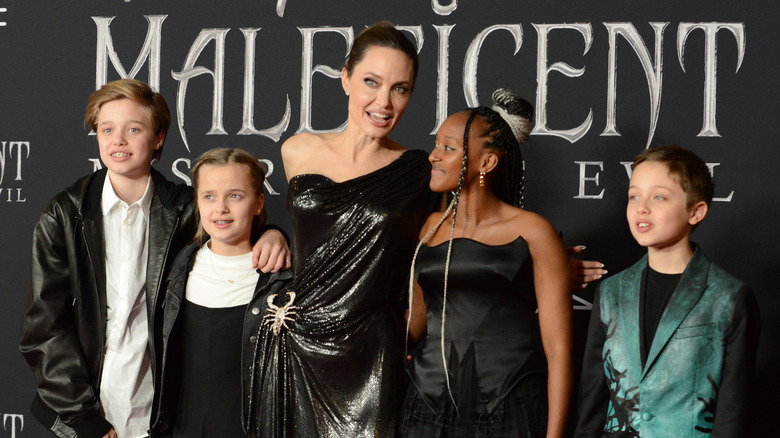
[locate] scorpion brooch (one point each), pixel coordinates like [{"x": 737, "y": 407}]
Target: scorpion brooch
[{"x": 277, "y": 316}]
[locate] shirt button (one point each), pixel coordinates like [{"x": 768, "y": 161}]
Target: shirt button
[
  {"x": 253, "y": 339},
  {"x": 647, "y": 416},
  {"x": 255, "y": 310}
]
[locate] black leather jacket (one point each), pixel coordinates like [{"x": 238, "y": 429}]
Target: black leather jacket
[
  {"x": 169, "y": 364},
  {"x": 64, "y": 326}
]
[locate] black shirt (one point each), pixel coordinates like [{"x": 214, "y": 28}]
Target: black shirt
[{"x": 657, "y": 288}]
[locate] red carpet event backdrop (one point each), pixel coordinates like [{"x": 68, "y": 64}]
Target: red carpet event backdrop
[{"x": 607, "y": 79}]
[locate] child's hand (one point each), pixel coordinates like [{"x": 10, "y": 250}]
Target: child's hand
[
  {"x": 110, "y": 434},
  {"x": 583, "y": 271},
  {"x": 271, "y": 253}
]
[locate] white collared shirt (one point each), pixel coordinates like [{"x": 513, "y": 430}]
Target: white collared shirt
[{"x": 126, "y": 388}]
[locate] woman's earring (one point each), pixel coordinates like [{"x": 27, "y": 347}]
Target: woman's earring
[
  {"x": 346, "y": 92},
  {"x": 482, "y": 178}
]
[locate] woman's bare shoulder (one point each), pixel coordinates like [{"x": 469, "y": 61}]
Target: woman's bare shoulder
[
  {"x": 300, "y": 150},
  {"x": 300, "y": 143}
]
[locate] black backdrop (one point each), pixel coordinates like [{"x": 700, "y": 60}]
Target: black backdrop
[{"x": 607, "y": 78}]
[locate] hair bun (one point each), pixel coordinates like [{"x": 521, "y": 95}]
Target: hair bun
[
  {"x": 513, "y": 104},
  {"x": 515, "y": 111}
]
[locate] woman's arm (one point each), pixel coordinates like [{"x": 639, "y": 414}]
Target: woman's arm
[{"x": 552, "y": 273}]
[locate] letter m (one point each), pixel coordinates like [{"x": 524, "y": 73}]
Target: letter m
[{"x": 150, "y": 50}]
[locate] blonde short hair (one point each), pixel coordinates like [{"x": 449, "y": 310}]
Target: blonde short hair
[{"x": 138, "y": 92}]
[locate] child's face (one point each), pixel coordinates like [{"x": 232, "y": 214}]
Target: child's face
[
  {"x": 126, "y": 139},
  {"x": 227, "y": 203},
  {"x": 447, "y": 155},
  {"x": 657, "y": 209}
]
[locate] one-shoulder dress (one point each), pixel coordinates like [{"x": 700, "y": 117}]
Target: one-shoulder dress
[
  {"x": 335, "y": 368},
  {"x": 492, "y": 346}
]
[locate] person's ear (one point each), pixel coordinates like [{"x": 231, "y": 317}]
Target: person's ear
[
  {"x": 345, "y": 80},
  {"x": 260, "y": 202},
  {"x": 488, "y": 162},
  {"x": 697, "y": 212},
  {"x": 160, "y": 140}
]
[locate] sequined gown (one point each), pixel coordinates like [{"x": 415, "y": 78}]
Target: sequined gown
[{"x": 337, "y": 370}]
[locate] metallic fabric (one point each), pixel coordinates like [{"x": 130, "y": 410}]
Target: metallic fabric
[{"x": 336, "y": 369}]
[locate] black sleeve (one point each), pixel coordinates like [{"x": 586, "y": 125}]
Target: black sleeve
[
  {"x": 732, "y": 407},
  {"x": 268, "y": 226},
  {"x": 49, "y": 341},
  {"x": 594, "y": 394},
  {"x": 258, "y": 232}
]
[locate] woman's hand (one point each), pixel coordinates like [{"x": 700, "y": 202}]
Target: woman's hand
[
  {"x": 583, "y": 271},
  {"x": 271, "y": 252}
]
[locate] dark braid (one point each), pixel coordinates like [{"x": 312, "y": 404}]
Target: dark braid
[
  {"x": 464, "y": 165},
  {"x": 508, "y": 183}
]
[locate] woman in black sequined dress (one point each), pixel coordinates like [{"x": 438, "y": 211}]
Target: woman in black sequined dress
[
  {"x": 479, "y": 369},
  {"x": 328, "y": 361}
]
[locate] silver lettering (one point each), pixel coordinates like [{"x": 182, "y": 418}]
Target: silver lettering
[
  {"x": 653, "y": 71},
  {"x": 269, "y": 166},
  {"x": 13, "y": 418},
  {"x": 442, "y": 66},
  {"x": 280, "y": 5},
  {"x": 96, "y": 164},
  {"x": 189, "y": 71},
  {"x": 472, "y": 59},
  {"x": 441, "y": 9},
  {"x": 182, "y": 175},
  {"x": 248, "y": 124},
  {"x": 584, "y": 179},
  {"x": 150, "y": 50},
  {"x": 307, "y": 72},
  {"x": 709, "y": 127},
  {"x": 543, "y": 70},
  {"x": 712, "y": 167}
]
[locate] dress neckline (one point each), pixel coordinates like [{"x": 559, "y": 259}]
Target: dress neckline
[
  {"x": 357, "y": 178},
  {"x": 468, "y": 239}
]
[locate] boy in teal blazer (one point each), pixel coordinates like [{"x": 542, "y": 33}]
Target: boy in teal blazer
[{"x": 672, "y": 339}]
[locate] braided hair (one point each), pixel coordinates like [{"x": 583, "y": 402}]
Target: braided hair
[{"x": 509, "y": 122}]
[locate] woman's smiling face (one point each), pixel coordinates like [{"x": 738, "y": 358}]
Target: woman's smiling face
[{"x": 379, "y": 90}]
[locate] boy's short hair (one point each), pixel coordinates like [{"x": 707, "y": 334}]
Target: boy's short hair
[
  {"x": 138, "y": 92},
  {"x": 686, "y": 168}
]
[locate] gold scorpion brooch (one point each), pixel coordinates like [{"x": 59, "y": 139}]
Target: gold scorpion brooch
[{"x": 278, "y": 316}]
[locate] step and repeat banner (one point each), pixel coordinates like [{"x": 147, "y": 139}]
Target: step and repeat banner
[{"x": 607, "y": 79}]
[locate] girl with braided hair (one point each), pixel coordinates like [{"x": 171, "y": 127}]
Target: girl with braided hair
[{"x": 486, "y": 363}]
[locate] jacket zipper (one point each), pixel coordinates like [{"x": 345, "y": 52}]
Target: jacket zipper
[{"x": 102, "y": 328}]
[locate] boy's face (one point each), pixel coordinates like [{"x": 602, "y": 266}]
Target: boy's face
[
  {"x": 126, "y": 139},
  {"x": 657, "y": 209}
]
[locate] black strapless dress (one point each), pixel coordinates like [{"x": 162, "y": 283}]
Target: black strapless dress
[
  {"x": 337, "y": 369},
  {"x": 492, "y": 345}
]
